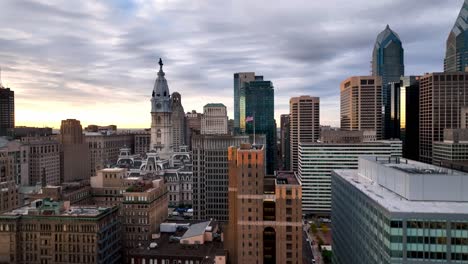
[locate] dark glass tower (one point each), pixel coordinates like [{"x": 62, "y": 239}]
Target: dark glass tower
[
  {"x": 257, "y": 100},
  {"x": 404, "y": 114},
  {"x": 7, "y": 111},
  {"x": 240, "y": 79},
  {"x": 456, "y": 56},
  {"x": 387, "y": 62}
]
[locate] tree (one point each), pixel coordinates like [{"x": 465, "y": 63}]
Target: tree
[
  {"x": 313, "y": 228},
  {"x": 325, "y": 229},
  {"x": 326, "y": 256}
]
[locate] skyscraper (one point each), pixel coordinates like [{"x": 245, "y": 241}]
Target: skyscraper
[
  {"x": 387, "y": 62},
  {"x": 285, "y": 143},
  {"x": 161, "y": 113},
  {"x": 304, "y": 124},
  {"x": 239, "y": 81},
  {"x": 442, "y": 97},
  {"x": 257, "y": 100},
  {"x": 456, "y": 55},
  {"x": 178, "y": 121},
  {"x": 75, "y": 154},
  {"x": 193, "y": 125},
  {"x": 214, "y": 120},
  {"x": 7, "y": 111},
  {"x": 361, "y": 104},
  {"x": 265, "y": 216}
]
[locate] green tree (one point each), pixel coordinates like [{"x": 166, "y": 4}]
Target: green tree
[
  {"x": 325, "y": 228},
  {"x": 313, "y": 228},
  {"x": 326, "y": 256}
]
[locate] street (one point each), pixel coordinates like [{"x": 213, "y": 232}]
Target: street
[{"x": 309, "y": 252}]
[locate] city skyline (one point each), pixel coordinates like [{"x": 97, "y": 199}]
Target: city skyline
[{"x": 97, "y": 62}]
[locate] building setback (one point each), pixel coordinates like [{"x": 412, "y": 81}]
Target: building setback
[
  {"x": 361, "y": 104},
  {"x": 318, "y": 160},
  {"x": 265, "y": 216},
  {"x": 442, "y": 96},
  {"x": 304, "y": 124},
  {"x": 399, "y": 211}
]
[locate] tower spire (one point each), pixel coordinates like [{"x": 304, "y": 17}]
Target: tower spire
[{"x": 160, "y": 64}]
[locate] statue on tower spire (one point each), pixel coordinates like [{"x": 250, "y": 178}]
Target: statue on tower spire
[{"x": 160, "y": 64}]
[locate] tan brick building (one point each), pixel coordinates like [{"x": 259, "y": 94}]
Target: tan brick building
[
  {"x": 265, "y": 216},
  {"x": 44, "y": 153},
  {"x": 8, "y": 189}
]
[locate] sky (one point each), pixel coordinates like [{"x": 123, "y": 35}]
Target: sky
[{"x": 96, "y": 61}]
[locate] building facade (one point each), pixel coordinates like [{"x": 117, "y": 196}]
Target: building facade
[
  {"x": 7, "y": 110},
  {"x": 20, "y": 158},
  {"x": 75, "y": 153},
  {"x": 44, "y": 160},
  {"x": 193, "y": 120},
  {"x": 214, "y": 120},
  {"x": 384, "y": 213},
  {"x": 265, "y": 216},
  {"x": 240, "y": 79},
  {"x": 361, "y": 104},
  {"x": 9, "y": 198},
  {"x": 453, "y": 148},
  {"x": 55, "y": 232},
  {"x": 262, "y": 113},
  {"x": 210, "y": 174},
  {"x": 442, "y": 96},
  {"x": 285, "y": 144},
  {"x": 142, "y": 142},
  {"x": 456, "y": 58},
  {"x": 304, "y": 124},
  {"x": 318, "y": 160},
  {"x": 178, "y": 121}
]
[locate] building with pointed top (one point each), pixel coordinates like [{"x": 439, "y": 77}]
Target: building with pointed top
[
  {"x": 456, "y": 56},
  {"x": 161, "y": 113}
]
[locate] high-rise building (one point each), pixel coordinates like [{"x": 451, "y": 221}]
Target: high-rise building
[
  {"x": 7, "y": 111},
  {"x": 361, "y": 104},
  {"x": 403, "y": 118},
  {"x": 193, "y": 124},
  {"x": 178, "y": 121},
  {"x": 49, "y": 231},
  {"x": 240, "y": 79},
  {"x": 105, "y": 148},
  {"x": 44, "y": 160},
  {"x": 75, "y": 154},
  {"x": 9, "y": 198},
  {"x": 442, "y": 96},
  {"x": 399, "y": 211},
  {"x": 210, "y": 174},
  {"x": 161, "y": 113},
  {"x": 20, "y": 157},
  {"x": 285, "y": 143},
  {"x": 214, "y": 120},
  {"x": 318, "y": 160},
  {"x": 304, "y": 124},
  {"x": 456, "y": 58},
  {"x": 265, "y": 216},
  {"x": 262, "y": 114},
  {"x": 453, "y": 148}
]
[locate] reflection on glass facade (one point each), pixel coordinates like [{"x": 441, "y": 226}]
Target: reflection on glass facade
[
  {"x": 456, "y": 55},
  {"x": 240, "y": 79},
  {"x": 403, "y": 118},
  {"x": 257, "y": 100}
]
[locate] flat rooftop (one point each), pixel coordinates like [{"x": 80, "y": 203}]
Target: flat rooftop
[
  {"x": 74, "y": 211},
  {"x": 286, "y": 178}
]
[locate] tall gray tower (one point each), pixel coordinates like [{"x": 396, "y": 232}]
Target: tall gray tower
[
  {"x": 161, "y": 123},
  {"x": 178, "y": 121},
  {"x": 456, "y": 57}
]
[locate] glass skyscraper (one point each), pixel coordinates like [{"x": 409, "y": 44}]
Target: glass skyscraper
[
  {"x": 387, "y": 62},
  {"x": 240, "y": 79},
  {"x": 257, "y": 101},
  {"x": 456, "y": 56}
]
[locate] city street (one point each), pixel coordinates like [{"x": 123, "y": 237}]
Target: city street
[{"x": 314, "y": 252}]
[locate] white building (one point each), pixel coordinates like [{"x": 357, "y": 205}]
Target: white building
[{"x": 214, "y": 120}]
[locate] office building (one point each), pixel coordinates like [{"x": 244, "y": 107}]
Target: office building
[
  {"x": 44, "y": 160},
  {"x": 456, "y": 58},
  {"x": 142, "y": 142},
  {"x": 9, "y": 198},
  {"x": 75, "y": 153},
  {"x": 161, "y": 113},
  {"x": 403, "y": 119},
  {"x": 24, "y": 131},
  {"x": 262, "y": 115},
  {"x": 55, "y": 232},
  {"x": 240, "y": 79},
  {"x": 304, "y": 124},
  {"x": 399, "y": 211},
  {"x": 318, "y": 160},
  {"x": 105, "y": 148},
  {"x": 214, "y": 120},
  {"x": 210, "y": 174},
  {"x": 265, "y": 216},
  {"x": 361, "y": 104},
  {"x": 453, "y": 148},
  {"x": 20, "y": 158},
  {"x": 7, "y": 110},
  {"x": 285, "y": 143},
  {"x": 110, "y": 129},
  {"x": 193, "y": 124},
  {"x": 178, "y": 121},
  {"x": 442, "y": 96}
]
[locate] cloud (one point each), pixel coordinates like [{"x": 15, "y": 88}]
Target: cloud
[{"x": 97, "y": 60}]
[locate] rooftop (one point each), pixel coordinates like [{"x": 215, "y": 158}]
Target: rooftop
[
  {"x": 215, "y": 105},
  {"x": 286, "y": 178}
]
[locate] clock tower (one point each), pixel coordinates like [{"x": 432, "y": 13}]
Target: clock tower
[{"x": 161, "y": 123}]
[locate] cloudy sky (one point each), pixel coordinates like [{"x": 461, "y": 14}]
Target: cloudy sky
[{"x": 97, "y": 60}]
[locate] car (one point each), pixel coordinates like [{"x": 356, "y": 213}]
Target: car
[
  {"x": 307, "y": 239},
  {"x": 313, "y": 260}
]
